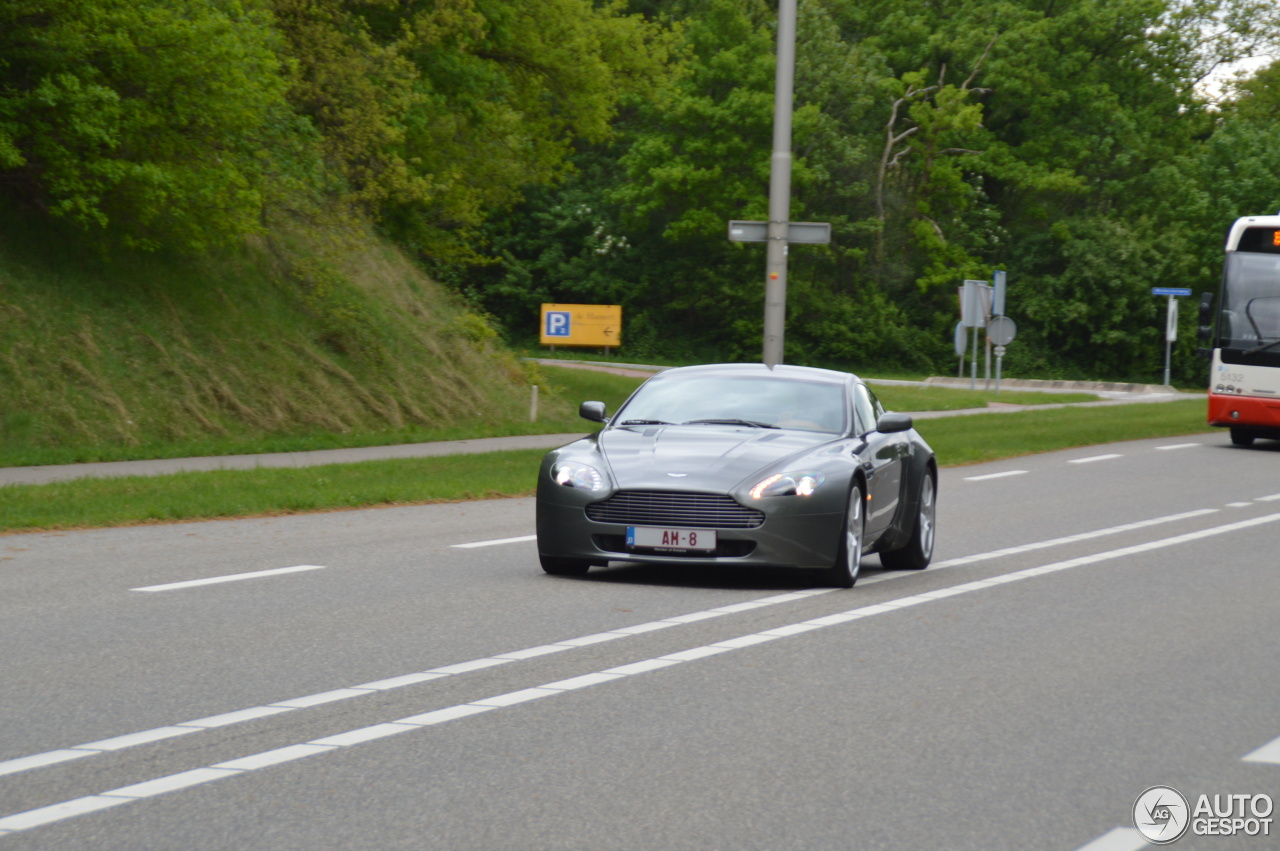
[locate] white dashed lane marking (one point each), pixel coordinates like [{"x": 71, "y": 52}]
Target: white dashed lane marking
[
  {"x": 237, "y": 577},
  {"x": 1003, "y": 475},
  {"x": 495, "y": 543},
  {"x": 1090, "y": 460},
  {"x": 1094, "y": 458}
]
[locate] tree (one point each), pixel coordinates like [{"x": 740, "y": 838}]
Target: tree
[{"x": 142, "y": 121}]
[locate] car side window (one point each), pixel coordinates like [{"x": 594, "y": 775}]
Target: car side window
[{"x": 865, "y": 405}]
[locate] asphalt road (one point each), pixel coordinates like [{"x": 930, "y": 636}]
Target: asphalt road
[{"x": 1097, "y": 622}]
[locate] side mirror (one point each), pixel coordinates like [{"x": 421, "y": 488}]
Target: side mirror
[
  {"x": 594, "y": 411},
  {"x": 893, "y": 422},
  {"x": 1205, "y": 331}
]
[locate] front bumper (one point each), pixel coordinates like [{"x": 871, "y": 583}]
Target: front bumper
[
  {"x": 1244, "y": 412},
  {"x": 794, "y": 534}
]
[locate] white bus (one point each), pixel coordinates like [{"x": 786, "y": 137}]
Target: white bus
[{"x": 1244, "y": 384}]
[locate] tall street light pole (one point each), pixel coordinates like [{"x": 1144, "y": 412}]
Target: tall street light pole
[
  {"x": 779, "y": 232},
  {"x": 775, "y": 286}
]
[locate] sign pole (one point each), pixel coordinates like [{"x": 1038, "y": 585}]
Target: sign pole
[
  {"x": 1171, "y": 323},
  {"x": 986, "y": 364},
  {"x": 973, "y": 362},
  {"x": 775, "y": 285}
]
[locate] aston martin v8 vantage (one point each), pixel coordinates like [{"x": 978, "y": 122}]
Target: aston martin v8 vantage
[{"x": 741, "y": 464}]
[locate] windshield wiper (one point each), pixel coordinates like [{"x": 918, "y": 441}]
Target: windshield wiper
[
  {"x": 730, "y": 421},
  {"x": 1263, "y": 347},
  {"x": 645, "y": 422}
]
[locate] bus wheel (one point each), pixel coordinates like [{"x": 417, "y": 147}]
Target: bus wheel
[{"x": 1241, "y": 437}]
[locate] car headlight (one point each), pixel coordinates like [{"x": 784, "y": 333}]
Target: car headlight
[
  {"x": 572, "y": 474},
  {"x": 788, "y": 484}
]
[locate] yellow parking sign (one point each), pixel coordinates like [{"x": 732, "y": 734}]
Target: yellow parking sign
[{"x": 581, "y": 325}]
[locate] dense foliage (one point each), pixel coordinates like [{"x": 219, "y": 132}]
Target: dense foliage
[{"x": 591, "y": 151}]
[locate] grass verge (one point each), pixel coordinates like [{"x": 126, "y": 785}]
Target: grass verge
[
  {"x": 900, "y": 398},
  {"x": 136, "y": 500},
  {"x": 978, "y": 438},
  {"x": 560, "y": 391},
  {"x": 88, "y": 503}
]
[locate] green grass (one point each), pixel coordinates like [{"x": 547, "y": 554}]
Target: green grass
[
  {"x": 91, "y": 503},
  {"x": 977, "y": 438},
  {"x": 912, "y": 399},
  {"x": 87, "y": 503},
  {"x": 293, "y": 341},
  {"x": 560, "y": 391}
]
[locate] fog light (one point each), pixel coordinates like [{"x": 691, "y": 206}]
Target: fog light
[{"x": 1235, "y": 415}]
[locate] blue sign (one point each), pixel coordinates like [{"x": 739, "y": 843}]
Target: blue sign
[
  {"x": 1169, "y": 291},
  {"x": 558, "y": 323}
]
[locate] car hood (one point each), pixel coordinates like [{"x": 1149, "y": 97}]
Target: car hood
[{"x": 697, "y": 458}]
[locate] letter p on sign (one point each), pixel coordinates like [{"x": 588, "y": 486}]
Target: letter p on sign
[{"x": 558, "y": 323}]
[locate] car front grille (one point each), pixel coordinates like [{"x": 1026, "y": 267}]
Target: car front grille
[{"x": 658, "y": 508}]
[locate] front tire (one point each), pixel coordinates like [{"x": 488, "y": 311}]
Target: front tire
[
  {"x": 1241, "y": 436},
  {"x": 918, "y": 552},
  {"x": 564, "y": 566},
  {"x": 844, "y": 573}
]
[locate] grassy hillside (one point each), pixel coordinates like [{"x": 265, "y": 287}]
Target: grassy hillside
[{"x": 280, "y": 345}]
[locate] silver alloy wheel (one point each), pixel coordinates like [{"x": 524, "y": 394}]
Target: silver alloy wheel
[
  {"x": 853, "y": 534},
  {"x": 927, "y": 520}
]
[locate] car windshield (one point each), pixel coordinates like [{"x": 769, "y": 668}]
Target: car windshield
[{"x": 757, "y": 401}]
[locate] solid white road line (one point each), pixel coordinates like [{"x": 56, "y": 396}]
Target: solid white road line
[
  {"x": 1119, "y": 839},
  {"x": 350, "y": 738},
  {"x": 1269, "y": 753},
  {"x": 42, "y": 760},
  {"x": 258, "y": 574},
  {"x": 1072, "y": 539}
]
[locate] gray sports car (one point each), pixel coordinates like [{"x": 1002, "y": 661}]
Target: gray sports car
[{"x": 741, "y": 464}]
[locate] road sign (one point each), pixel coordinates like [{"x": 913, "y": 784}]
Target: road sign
[
  {"x": 801, "y": 233},
  {"x": 1171, "y": 323},
  {"x": 975, "y": 303},
  {"x": 1001, "y": 330},
  {"x": 1000, "y": 281},
  {"x": 557, "y": 323},
  {"x": 581, "y": 325}
]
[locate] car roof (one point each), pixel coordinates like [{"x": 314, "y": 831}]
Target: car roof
[{"x": 807, "y": 373}]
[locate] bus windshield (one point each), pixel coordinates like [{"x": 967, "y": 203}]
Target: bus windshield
[{"x": 1250, "y": 301}]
